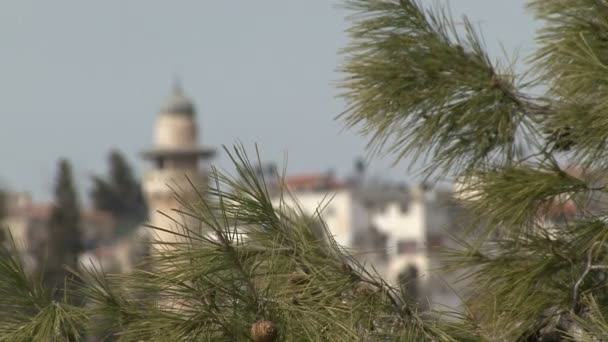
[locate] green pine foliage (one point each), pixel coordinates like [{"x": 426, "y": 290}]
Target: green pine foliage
[
  {"x": 258, "y": 264},
  {"x": 28, "y": 309},
  {"x": 572, "y": 61},
  {"x": 422, "y": 86}
]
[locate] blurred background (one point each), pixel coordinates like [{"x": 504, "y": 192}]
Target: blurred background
[
  {"x": 94, "y": 84},
  {"x": 81, "y": 78}
]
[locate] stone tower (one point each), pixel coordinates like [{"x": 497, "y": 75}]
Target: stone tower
[{"x": 175, "y": 157}]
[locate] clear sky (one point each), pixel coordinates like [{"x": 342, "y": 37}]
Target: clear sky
[{"x": 81, "y": 77}]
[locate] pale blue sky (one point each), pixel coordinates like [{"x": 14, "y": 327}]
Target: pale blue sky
[{"x": 80, "y": 77}]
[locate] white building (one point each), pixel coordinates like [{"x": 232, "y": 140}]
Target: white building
[{"x": 392, "y": 227}]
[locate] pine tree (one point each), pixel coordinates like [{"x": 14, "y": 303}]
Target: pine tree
[
  {"x": 424, "y": 87},
  {"x": 64, "y": 240},
  {"x": 120, "y": 194}
]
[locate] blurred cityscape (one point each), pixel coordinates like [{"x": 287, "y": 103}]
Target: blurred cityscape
[{"x": 393, "y": 227}]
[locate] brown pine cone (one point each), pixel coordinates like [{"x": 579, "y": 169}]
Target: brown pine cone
[
  {"x": 363, "y": 290},
  {"x": 264, "y": 331}
]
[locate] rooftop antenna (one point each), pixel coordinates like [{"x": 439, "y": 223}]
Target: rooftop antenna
[{"x": 177, "y": 85}]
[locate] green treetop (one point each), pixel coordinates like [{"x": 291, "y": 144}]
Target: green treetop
[{"x": 120, "y": 193}]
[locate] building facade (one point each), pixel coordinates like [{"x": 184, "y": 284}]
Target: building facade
[
  {"x": 27, "y": 222},
  {"x": 392, "y": 227}
]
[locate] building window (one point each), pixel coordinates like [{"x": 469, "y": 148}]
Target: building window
[
  {"x": 160, "y": 163},
  {"x": 406, "y": 246}
]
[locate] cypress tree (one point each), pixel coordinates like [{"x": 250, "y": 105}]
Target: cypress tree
[
  {"x": 64, "y": 242},
  {"x": 126, "y": 185},
  {"x": 120, "y": 193}
]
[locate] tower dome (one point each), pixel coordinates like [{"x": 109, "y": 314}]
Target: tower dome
[
  {"x": 178, "y": 103},
  {"x": 176, "y": 131},
  {"x": 176, "y": 126}
]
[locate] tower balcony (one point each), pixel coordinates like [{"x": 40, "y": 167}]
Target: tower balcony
[{"x": 166, "y": 182}]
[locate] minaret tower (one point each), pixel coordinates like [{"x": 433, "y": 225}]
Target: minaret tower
[{"x": 176, "y": 155}]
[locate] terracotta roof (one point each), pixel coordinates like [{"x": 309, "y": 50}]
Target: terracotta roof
[
  {"x": 43, "y": 212},
  {"x": 97, "y": 216},
  {"x": 39, "y": 211},
  {"x": 567, "y": 209},
  {"x": 104, "y": 251},
  {"x": 313, "y": 181}
]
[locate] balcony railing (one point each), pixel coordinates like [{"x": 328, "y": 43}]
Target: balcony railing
[{"x": 167, "y": 181}]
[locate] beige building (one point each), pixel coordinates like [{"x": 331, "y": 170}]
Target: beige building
[
  {"x": 176, "y": 157},
  {"x": 392, "y": 227},
  {"x": 27, "y": 222}
]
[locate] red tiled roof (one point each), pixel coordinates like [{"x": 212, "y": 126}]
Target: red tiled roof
[
  {"x": 313, "y": 181},
  {"x": 97, "y": 216},
  {"x": 43, "y": 212},
  {"x": 39, "y": 211},
  {"x": 567, "y": 209},
  {"x": 105, "y": 251}
]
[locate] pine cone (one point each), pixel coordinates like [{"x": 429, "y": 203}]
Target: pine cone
[
  {"x": 298, "y": 278},
  {"x": 363, "y": 290},
  {"x": 347, "y": 269},
  {"x": 264, "y": 331}
]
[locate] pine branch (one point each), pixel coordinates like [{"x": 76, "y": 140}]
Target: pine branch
[
  {"x": 425, "y": 89},
  {"x": 29, "y": 312},
  {"x": 516, "y": 197},
  {"x": 256, "y": 261},
  {"x": 572, "y": 61}
]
